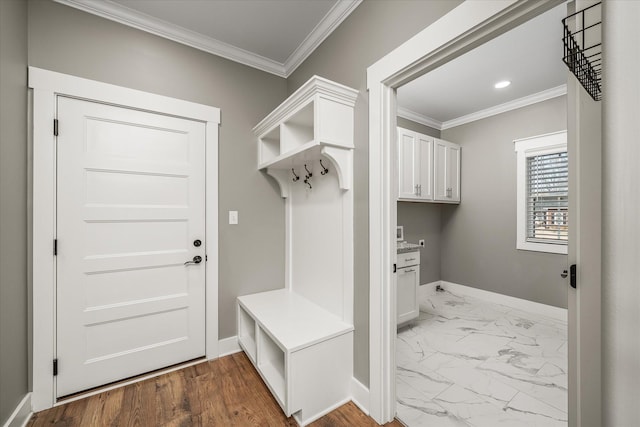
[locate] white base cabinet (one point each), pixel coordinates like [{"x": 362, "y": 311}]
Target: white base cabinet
[
  {"x": 408, "y": 280},
  {"x": 302, "y": 352}
]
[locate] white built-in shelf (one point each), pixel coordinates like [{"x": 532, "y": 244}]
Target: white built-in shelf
[
  {"x": 302, "y": 352},
  {"x": 314, "y": 123},
  {"x": 300, "y": 338},
  {"x": 291, "y": 320},
  {"x": 299, "y": 156},
  {"x": 247, "y": 334}
]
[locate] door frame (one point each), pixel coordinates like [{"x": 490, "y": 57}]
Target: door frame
[
  {"x": 46, "y": 86},
  {"x": 465, "y": 27}
]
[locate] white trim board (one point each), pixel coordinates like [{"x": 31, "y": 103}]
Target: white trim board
[
  {"x": 141, "y": 21},
  {"x": 228, "y": 346},
  {"x": 360, "y": 395},
  {"x": 22, "y": 414},
  {"x": 555, "y": 313},
  {"x": 47, "y": 85},
  {"x": 535, "y": 98}
]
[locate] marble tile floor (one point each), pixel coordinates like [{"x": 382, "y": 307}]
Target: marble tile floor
[{"x": 469, "y": 362}]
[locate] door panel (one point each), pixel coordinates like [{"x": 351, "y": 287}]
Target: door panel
[
  {"x": 407, "y": 293},
  {"x": 423, "y": 162},
  {"x": 440, "y": 170},
  {"x": 130, "y": 203},
  {"x": 415, "y": 152},
  {"x": 453, "y": 173},
  {"x": 407, "y": 156}
]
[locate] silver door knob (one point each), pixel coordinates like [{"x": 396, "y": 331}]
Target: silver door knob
[{"x": 196, "y": 260}]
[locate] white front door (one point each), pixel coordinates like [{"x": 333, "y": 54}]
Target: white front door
[{"x": 130, "y": 208}]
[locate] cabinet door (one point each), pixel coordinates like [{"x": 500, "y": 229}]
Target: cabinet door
[
  {"x": 407, "y": 296},
  {"x": 415, "y": 157},
  {"x": 446, "y": 171},
  {"x": 453, "y": 172}
]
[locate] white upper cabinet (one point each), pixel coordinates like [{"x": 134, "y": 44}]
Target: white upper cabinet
[
  {"x": 415, "y": 155},
  {"x": 428, "y": 168},
  {"x": 446, "y": 171}
]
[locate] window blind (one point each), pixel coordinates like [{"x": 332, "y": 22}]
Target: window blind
[{"x": 548, "y": 198}]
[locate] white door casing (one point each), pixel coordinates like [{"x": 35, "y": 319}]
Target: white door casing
[
  {"x": 130, "y": 204},
  {"x": 465, "y": 27},
  {"x": 47, "y": 86}
]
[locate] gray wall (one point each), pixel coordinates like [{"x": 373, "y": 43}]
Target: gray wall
[
  {"x": 417, "y": 127},
  {"x": 67, "y": 40},
  {"x": 479, "y": 235},
  {"x": 13, "y": 206},
  {"x": 374, "y": 29},
  {"x": 422, "y": 221}
]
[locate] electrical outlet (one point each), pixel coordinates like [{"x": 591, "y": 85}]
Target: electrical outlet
[
  {"x": 421, "y": 242},
  {"x": 233, "y": 217}
]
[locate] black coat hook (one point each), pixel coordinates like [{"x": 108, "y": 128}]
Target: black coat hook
[
  {"x": 324, "y": 169},
  {"x": 295, "y": 177},
  {"x": 309, "y": 174},
  {"x": 308, "y": 182}
]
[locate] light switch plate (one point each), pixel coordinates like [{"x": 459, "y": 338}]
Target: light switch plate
[{"x": 233, "y": 217}]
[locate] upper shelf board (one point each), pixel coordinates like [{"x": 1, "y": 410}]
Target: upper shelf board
[{"x": 314, "y": 86}]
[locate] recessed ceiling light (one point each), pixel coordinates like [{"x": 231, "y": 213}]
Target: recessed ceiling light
[{"x": 502, "y": 84}]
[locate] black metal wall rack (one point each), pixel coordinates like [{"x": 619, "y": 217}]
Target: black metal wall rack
[{"x": 583, "y": 48}]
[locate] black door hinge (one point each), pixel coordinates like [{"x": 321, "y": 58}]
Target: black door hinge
[
  {"x": 394, "y": 268},
  {"x": 55, "y": 247},
  {"x": 55, "y": 367},
  {"x": 573, "y": 276},
  {"x": 55, "y": 127},
  {"x": 206, "y": 258}
]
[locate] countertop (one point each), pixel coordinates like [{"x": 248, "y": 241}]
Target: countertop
[{"x": 404, "y": 247}]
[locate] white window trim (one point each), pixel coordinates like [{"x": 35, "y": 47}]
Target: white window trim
[{"x": 527, "y": 147}]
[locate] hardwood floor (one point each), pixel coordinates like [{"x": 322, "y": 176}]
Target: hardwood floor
[{"x": 223, "y": 392}]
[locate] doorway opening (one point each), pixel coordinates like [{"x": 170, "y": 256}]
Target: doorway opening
[
  {"x": 489, "y": 321},
  {"x": 465, "y": 28}
]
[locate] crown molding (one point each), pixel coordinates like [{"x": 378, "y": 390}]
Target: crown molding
[
  {"x": 132, "y": 18},
  {"x": 338, "y": 13},
  {"x": 419, "y": 118},
  {"x": 116, "y": 12},
  {"x": 507, "y": 106},
  {"x": 483, "y": 114}
]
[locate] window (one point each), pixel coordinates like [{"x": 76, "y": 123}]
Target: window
[{"x": 543, "y": 193}]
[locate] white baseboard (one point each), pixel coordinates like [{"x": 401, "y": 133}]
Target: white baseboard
[
  {"x": 360, "y": 395},
  {"x": 21, "y": 415},
  {"x": 556, "y": 313},
  {"x": 228, "y": 346},
  {"x": 315, "y": 417}
]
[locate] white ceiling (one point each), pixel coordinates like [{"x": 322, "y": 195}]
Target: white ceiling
[
  {"x": 530, "y": 56},
  {"x": 271, "y": 35}
]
